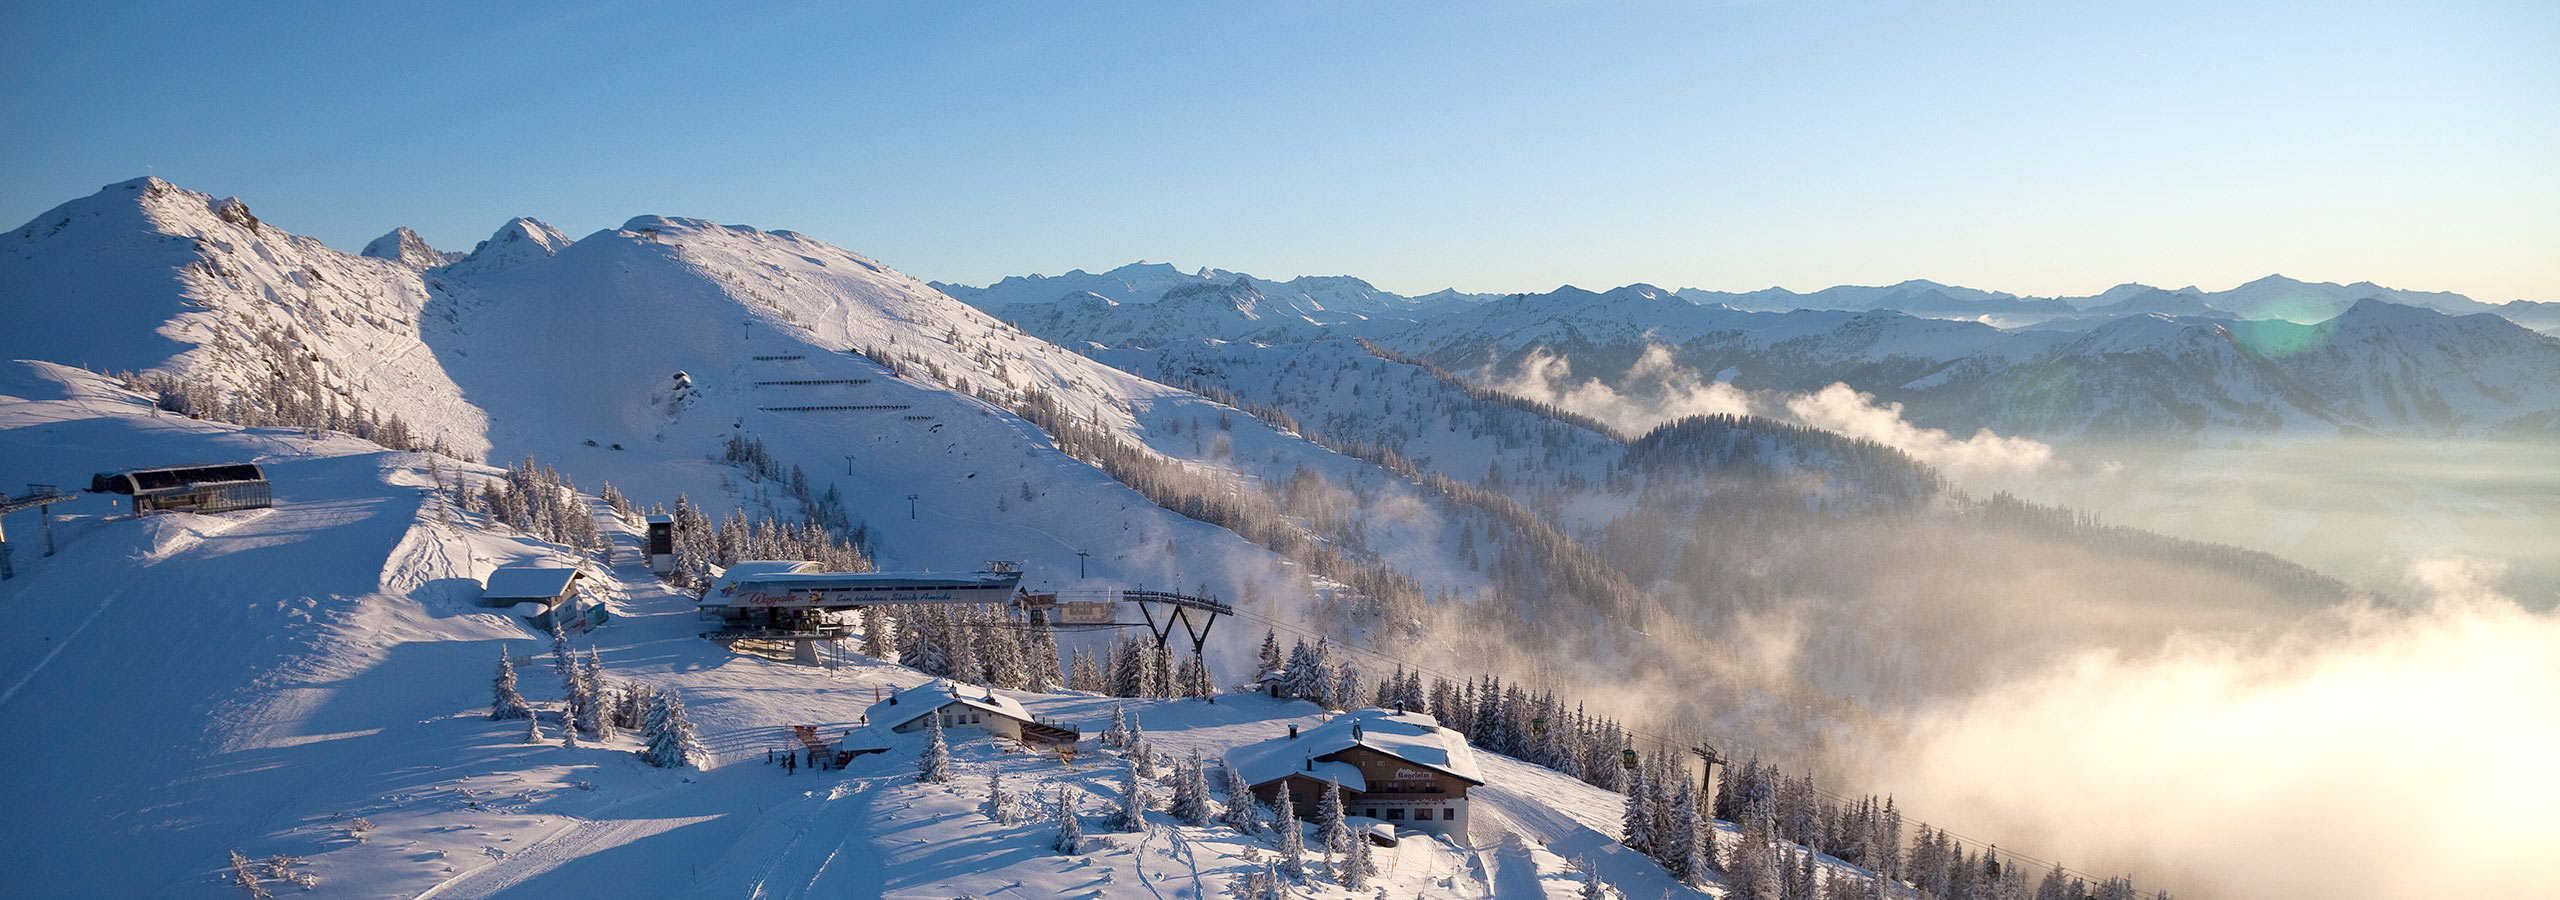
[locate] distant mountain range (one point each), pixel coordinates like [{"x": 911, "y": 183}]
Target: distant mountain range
[
  {"x": 2276, "y": 356},
  {"x": 1120, "y": 307}
]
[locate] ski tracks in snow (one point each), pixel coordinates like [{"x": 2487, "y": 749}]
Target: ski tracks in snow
[{"x": 795, "y": 871}]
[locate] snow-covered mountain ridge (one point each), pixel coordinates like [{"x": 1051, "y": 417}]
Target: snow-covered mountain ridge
[{"x": 145, "y": 276}]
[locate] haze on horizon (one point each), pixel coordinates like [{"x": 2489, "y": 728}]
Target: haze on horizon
[{"x": 2010, "y": 146}]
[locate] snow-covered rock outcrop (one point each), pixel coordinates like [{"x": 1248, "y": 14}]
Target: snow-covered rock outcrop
[{"x": 407, "y": 248}]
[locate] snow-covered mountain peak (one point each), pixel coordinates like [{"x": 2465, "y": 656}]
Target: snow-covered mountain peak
[
  {"x": 405, "y": 247},
  {"x": 521, "y": 240}
]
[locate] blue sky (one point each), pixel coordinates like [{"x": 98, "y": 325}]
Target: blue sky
[{"x": 2039, "y": 147}]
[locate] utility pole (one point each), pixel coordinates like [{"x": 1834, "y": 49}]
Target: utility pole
[
  {"x": 749, "y": 332},
  {"x": 848, "y": 463},
  {"x": 911, "y": 507},
  {"x": 1080, "y": 555}
]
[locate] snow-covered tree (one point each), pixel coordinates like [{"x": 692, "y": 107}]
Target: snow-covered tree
[
  {"x": 999, "y": 804},
  {"x": 593, "y": 717},
  {"x": 1070, "y": 837},
  {"x": 533, "y": 728},
  {"x": 1259, "y": 884},
  {"x": 1680, "y": 846},
  {"x": 504, "y": 701},
  {"x": 1293, "y": 837},
  {"x": 962, "y": 634},
  {"x": 875, "y": 633},
  {"x": 1141, "y": 756},
  {"x": 1243, "y": 813},
  {"x": 1000, "y": 652},
  {"x": 562, "y": 663},
  {"x": 1191, "y": 791},
  {"x": 1269, "y": 659},
  {"x": 933, "y": 766},
  {"x": 1592, "y": 887},
  {"x": 1117, "y": 736},
  {"x": 1331, "y": 829},
  {"x": 670, "y": 742},
  {"x": 1131, "y": 813},
  {"x": 1361, "y": 864},
  {"x": 1040, "y": 661},
  {"x": 1637, "y": 826}
]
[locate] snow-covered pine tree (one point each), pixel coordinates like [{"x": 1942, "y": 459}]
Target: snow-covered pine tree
[
  {"x": 961, "y": 642},
  {"x": 1191, "y": 791},
  {"x": 1331, "y": 828},
  {"x": 1243, "y": 812},
  {"x": 1141, "y": 756},
  {"x": 504, "y": 701},
  {"x": 999, "y": 806},
  {"x": 1117, "y": 736},
  {"x": 1362, "y": 863},
  {"x": 1070, "y": 837},
  {"x": 1131, "y": 813},
  {"x": 631, "y": 706},
  {"x": 593, "y": 717},
  {"x": 1758, "y": 873},
  {"x": 533, "y": 728},
  {"x": 1293, "y": 838},
  {"x": 926, "y": 651},
  {"x": 562, "y": 663},
  {"x": 1255, "y": 885},
  {"x": 1040, "y": 661},
  {"x": 933, "y": 766},
  {"x": 1346, "y": 693},
  {"x": 875, "y": 633},
  {"x": 1592, "y": 887},
  {"x": 1889, "y": 840},
  {"x": 2055, "y": 886},
  {"x": 1269, "y": 659},
  {"x": 1294, "y": 682},
  {"x": 668, "y": 734},
  {"x": 1636, "y": 830},
  {"x": 1086, "y": 675},
  {"x": 1680, "y": 846},
  {"x": 1127, "y": 669}
]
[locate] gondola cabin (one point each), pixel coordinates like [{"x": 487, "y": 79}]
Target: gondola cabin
[{"x": 198, "y": 489}]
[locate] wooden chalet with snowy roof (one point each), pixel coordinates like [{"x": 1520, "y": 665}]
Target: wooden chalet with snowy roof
[
  {"x": 965, "y": 706},
  {"x": 1400, "y": 768},
  {"x": 545, "y": 593}
]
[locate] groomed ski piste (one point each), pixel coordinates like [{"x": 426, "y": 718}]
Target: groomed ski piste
[{"x": 312, "y": 681}]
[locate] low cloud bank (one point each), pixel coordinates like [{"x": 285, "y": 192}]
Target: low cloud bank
[
  {"x": 1658, "y": 389},
  {"x": 2377, "y": 753},
  {"x": 1842, "y": 409}
]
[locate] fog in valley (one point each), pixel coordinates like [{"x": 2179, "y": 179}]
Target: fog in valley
[{"x": 2354, "y": 696}]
